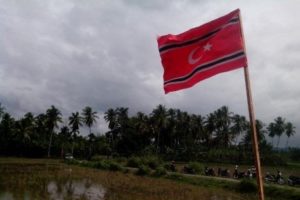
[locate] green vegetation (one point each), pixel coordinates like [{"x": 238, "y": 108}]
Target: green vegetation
[
  {"x": 28, "y": 172},
  {"x": 33, "y": 179},
  {"x": 149, "y": 142},
  {"x": 164, "y": 134},
  {"x": 243, "y": 186}
]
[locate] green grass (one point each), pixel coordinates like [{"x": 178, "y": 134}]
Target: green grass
[{"x": 31, "y": 177}]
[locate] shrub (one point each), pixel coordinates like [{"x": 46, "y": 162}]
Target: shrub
[
  {"x": 274, "y": 159},
  {"x": 170, "y": 167},
  {"x": 247, "y": 186},
  {"x": 152, "y": 161},
  {"x": 167, "y": 166},
  {"x": 101, "y": 165},
  {"x": 113, "y": 166},
  {"x": 120, "y": 160},
  {"x": 71, "y": 162},
  {"x": 85, "y": 163},
  {"x": 160, "y": 171},
  {"x": 134, "y": 162},
  {"x": 97, "y": 158},
  {"x": 195, "y": 167},
  {"x": 143, "y": 170}
]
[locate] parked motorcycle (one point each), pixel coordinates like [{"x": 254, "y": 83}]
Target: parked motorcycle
[{"x": 293, "y": 180}]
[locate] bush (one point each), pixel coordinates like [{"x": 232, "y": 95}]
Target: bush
[
  {"x": 247, "y": 186},
  {"x": 120, "y": 160},
  {"x": 134, "y": 162},
  {"x": 106, "y": 165},
  {"x": 143, "y": 170},
  {"x": 152, "y": 161},
  {"x": 195, "y": 167},
  {"x": 71, "y": 162},
  {"x": 113, "y": 166},
  {"x": 160, "y": 171},
  {"x": 168, "y": 166},
  {"x": 101, "y": 165},
  {"x": 274, "y": 159},
  {"x": 97, "y": 158}
]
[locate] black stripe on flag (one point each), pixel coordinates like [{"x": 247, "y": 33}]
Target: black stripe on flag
[
  {"x": 204, "y": 66},
  {"x": 203, "y": 37}
]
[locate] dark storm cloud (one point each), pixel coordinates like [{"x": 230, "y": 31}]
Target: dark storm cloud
[{"x": 104, "y": 54}]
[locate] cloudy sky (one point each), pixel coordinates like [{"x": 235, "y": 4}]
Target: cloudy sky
[{"x": 104, "y": 54}]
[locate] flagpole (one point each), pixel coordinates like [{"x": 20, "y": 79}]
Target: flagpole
[{"x": 252, "y": 125}]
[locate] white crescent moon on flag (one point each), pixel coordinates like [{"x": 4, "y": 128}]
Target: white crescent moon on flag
[{"x": 191, "y": 58}]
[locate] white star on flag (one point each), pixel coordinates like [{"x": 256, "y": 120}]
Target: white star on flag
[{"x": 207, "y": 47}]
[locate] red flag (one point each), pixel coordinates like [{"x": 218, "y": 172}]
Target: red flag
[{"x": 202, "y": 52}]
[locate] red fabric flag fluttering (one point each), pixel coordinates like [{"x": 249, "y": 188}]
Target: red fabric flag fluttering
[{"x": 202, "y": 52}]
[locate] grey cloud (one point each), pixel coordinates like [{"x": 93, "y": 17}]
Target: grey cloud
[{"x": 104, "y": 54}]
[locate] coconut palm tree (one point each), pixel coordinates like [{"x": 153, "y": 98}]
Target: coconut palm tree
[
  {"x": 75, "y": 121},
  {"x": 110, "y": 117},
  {"x": 271, "y": 131},
  {"x": 122, "y": 118},
  {"x": 141, "y": 124},
  {"x": 210, "y": 126},
  {"x": 159, "y": 119},
  {"x": 24, "y": 129},
  {"x": 197, "y": 128},
  {"x": 289, "y": 131},
  {"x": 53, "y": 117},
  {"x": 240, "y": 125},
  {"x": 89, "y": 117},
  {"x": 64, "y": 136},
  {"x": 260, "y": 131},
  {"x": 223, "y": 124},
  {"x": 1, "y": 110},
  {"x": 40, "y": 130},
  {"x": 279, "y": 128},
  {"x": 7, "y": 127}
]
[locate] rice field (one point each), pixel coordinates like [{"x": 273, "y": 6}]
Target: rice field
[{"x": 52, "y": 179}]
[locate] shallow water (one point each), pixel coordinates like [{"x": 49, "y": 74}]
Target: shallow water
[
  {"x": 75, "y": 190},
  {"x": 57, "y": 181},
  {"x": 78, "y": 189}
]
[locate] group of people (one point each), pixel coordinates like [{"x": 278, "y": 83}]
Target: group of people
[
  {"x": 278, "y": 178},
  {"x": 237, "y": 174},
  {"x": 249, "y": 173}
]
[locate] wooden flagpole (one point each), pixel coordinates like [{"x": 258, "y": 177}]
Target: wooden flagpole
[{"x": 253, "y": 124}]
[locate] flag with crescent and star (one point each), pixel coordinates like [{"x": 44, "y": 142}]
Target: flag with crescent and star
[{"x": 202, "y": 52}]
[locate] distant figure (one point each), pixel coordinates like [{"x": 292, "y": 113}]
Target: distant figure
[
  {"x": 236, "y": 171},
  {"x": 219, "y": 171},
  {"x": 209, "y": 171},
  {"x": 172, "y": 166},
  {"x": 223, "y": 173},
  {"x": 270, "y": 178},
  {"x": 279, "y": 175},
  {"x": 249, "y": 173}
]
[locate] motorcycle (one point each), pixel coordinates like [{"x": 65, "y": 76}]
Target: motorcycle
[{"x": 293, "y": 180}]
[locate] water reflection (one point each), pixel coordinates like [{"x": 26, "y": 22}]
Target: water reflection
[
  {"x": 225, "y": 197},
  {"x": 76, "y": 189},
  {"x": 6, "y": 196},
  {"x": 83, "y": 189},
  {"x": 57, "y": 182}
]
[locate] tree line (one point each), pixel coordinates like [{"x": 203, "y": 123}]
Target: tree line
[{"x": 168, "y": 132}]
